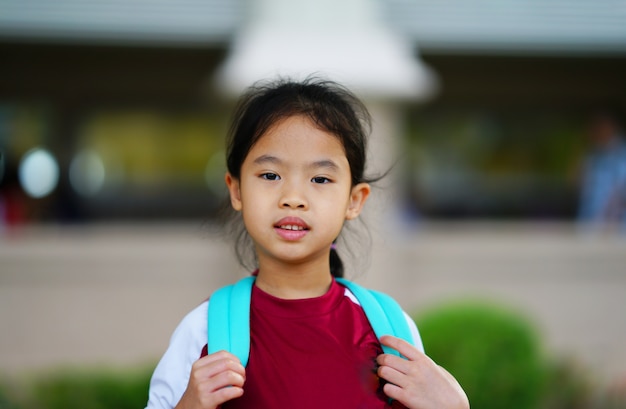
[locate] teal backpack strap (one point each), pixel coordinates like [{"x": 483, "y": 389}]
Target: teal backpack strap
[
  {"x": 229, "y": 319},
  {"x": 396, "y": 316},
  {"x": 384, "y": 314}
]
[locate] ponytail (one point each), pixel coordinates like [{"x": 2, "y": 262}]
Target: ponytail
[{"x": 336, "y": 265}]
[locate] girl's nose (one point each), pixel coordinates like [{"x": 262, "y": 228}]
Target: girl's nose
[
  {"x": 294, "y": 203},
  {"x": 293, "y": 200}
]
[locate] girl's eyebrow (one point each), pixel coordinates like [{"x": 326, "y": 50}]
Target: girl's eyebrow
[
  {"x": 267, "y": 159},
  {"x": 323, "y": 163}
]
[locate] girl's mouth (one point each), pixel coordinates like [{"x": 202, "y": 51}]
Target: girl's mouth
[{"x": 291, "y": 228}]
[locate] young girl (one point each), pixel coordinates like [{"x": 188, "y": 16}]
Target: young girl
[{"x": 296, "y": 160}]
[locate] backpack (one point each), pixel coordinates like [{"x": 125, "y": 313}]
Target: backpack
[{"x": 229, "y": 317}]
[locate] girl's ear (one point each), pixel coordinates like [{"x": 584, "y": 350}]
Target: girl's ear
[
  {"x": 358, "y": 196},
  {"x": 233, "y": 190}
]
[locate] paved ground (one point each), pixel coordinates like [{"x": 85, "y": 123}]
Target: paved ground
[{"x": 112, "y": 294}]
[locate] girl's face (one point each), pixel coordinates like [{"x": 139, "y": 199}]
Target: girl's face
[{"x": 295, "y": 193}]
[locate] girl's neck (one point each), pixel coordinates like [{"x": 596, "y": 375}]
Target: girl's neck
[{"x": 294, "y": 282}]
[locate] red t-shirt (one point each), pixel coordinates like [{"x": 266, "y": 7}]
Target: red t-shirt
[{"x": 311, "y": 353}]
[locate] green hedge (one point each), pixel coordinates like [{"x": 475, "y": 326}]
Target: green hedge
[
  {"x": 494, "y": 353},
  {"x": 80, "y": 389}
]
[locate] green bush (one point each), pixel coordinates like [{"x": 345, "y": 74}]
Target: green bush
[
  {"x": 494, "y": 353},
  {"x": 81, "y": 389},
  {"x": 7, "y": 400},
  {"x": 570, "y": 386}
]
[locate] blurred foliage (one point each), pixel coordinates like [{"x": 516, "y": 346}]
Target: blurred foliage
[
  {"x": 154, "y": 148},
  {"x": 494, "y": 354},
  {"x": 568, "y": 387},
  {"x": 7, "y": 399},
  {"x": 501, "y": 142},
  {"x": 80, "y": 389},
  {"x": 489, "y": 163}
]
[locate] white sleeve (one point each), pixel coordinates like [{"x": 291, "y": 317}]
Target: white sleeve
[
  {"x": 170, "y": 378},
  {"x": 417, "y": 339}
]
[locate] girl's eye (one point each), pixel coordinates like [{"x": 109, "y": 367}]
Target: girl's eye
[
  {"x": 270, "y": 176},
  {"x": 320, "y": 179}
]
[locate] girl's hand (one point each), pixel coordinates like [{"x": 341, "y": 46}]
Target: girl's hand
[
  {"x": 214, "y": 379},
  {"x": 418, "y": 382}
]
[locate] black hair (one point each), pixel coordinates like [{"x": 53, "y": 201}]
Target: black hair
[{"x": 330, "y": 106}]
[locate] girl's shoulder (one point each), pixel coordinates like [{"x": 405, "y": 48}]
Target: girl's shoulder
[
  {"x": 191, "y": 333},
  {"x": 171, "y": 375},
  {"x": 197, "y": 316}
]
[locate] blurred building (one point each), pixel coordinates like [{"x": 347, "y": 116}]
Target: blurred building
[{"x": 120, "y": 95}]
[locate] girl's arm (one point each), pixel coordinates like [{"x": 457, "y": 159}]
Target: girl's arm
[
  {"x": 184, "y": 380},
  {"x": 171, "y": 376},
  {"x": 418, "y": 382},
  {"x": 214, "y": 379}
]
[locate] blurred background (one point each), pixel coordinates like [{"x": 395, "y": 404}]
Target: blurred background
[{"x": 504, "y": 120}]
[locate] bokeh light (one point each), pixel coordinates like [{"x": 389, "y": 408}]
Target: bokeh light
[
  {"x": 87, "y": 173},
  {"x": 38, "y": 173}
]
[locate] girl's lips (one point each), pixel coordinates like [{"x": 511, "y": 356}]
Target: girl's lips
[{"x": 291, "y": 228}]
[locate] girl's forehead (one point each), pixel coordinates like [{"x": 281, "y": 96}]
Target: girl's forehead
[{"x": 299, "y": 134}]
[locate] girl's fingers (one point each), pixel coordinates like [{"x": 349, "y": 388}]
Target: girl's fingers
[
  {"x": 400, "y": 345},
  {"x": 225, "y": 394},
  {"x": 211, "y": 365},
  {"x": 217, "y": 356},
  {"x": 224, "y": 380},
  {"x": 197, "y": 399},
  {"x": 399, "y": 371},
  {"x": 210, "y": 384},
  {"x": 398, "y": 364},
  {"x": 415, "y": 358},
  {"x": 392, "y": 375},
  {"x": 417, "y": 381},
  {"x": 214, "y": 379},
  {"x": 395, "y": 392}
]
